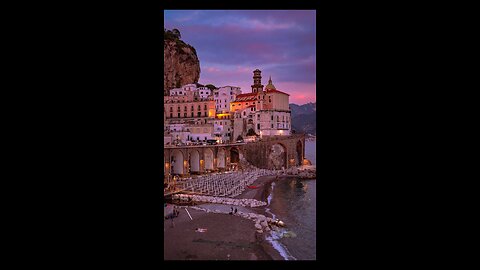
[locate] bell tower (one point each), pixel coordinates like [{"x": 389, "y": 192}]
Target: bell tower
[{"x": 257, "y": 81}]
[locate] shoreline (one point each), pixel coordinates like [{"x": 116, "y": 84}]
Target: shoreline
[{"x": 232, "y": 237}]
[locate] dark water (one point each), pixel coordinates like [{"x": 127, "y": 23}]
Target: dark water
[
  {"x": 294, "y": 202},
  {"x": 310, "y": 151}
]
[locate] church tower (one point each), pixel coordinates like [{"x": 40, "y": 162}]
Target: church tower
[{"x": 257, "y": 81}]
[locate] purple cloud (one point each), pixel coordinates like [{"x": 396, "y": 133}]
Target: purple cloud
[{"x": 231, "y": 44}]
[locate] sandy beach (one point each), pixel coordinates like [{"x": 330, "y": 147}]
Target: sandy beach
[{"x": 228, "y": 237}]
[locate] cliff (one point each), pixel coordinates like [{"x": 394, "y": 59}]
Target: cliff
[{"x": 181, "y": 64}]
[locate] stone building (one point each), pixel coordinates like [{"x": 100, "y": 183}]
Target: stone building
[
  {"x": 266, "y": 112},
  {"x": 188, "y": 114}
]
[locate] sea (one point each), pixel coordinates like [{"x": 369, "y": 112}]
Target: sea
[{"x": 294, "y": 202}]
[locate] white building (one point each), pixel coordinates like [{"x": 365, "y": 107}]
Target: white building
[
  {"x": 178, "y": 92},
  {"x": 204, "y": 92},
  {"x": 223, "y": 96},
  {"x": 267, "y": 111},
  {"x": 223, "y": 129}
]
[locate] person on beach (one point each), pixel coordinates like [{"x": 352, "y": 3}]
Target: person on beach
[{"x": 235, "y": 210}]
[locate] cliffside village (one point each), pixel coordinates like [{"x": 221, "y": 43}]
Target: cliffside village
[{"x": 198, "y": 115}]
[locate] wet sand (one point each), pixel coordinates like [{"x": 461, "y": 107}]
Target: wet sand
[{"x": 228, "y": 237}]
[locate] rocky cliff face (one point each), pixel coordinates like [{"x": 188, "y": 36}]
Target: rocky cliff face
[{"x": 181, "y": 64}]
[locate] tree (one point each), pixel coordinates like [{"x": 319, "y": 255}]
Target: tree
[
  {"x": 251, "y": 132},
  {"x": 176, "y": 32},
  {"x": 211, "y": 86}
]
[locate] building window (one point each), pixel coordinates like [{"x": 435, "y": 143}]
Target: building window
[
  {"x": 171, "y": 109},
  {"x": 205, "y": 107},
  {"x": 199, "y": 107},
  {"x": 184, "y": 114},
  {"x": 199, "y": 114},
  {"x": 185, "y": 108},
  {"x": 178, "y": 115},
  {"x": 205, "y": 114},
  {"x": 272, "y": 117},
  {"x": 171, "y": 116},
  {"x": 258, "y": 126},
  {"x": 192, "y": 114},
  {"x": 272, "y": 125}
]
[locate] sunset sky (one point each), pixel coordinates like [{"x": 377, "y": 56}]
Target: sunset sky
[{"x": 230, "y": 44}]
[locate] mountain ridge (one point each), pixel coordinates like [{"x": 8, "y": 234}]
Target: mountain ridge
[{"x": 304, "y": 117}]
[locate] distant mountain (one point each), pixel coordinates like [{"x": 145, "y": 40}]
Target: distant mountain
[{"x": 304, "y": 117}]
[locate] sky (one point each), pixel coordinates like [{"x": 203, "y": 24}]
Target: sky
[{"x": 230, "y": 44}]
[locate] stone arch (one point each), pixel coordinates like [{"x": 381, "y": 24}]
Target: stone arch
[
  {"x": 277, "y": 157},
  {"x": 208, "y": 154},
  {"x": 194, "y": 161},
  {"x": 234, "y": 155},
  {"x": 299, "y": 156},
  {"x": 221, "y": 158},
  {"x": 177, "y": 159}
]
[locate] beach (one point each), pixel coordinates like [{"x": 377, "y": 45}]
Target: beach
[{"x": 227, "y": 237}]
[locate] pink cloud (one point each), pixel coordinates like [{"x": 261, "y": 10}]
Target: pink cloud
[{"x": 300, "y": 93}]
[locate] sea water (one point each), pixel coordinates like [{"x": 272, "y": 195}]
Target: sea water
[{"x": 293, "y": 201}]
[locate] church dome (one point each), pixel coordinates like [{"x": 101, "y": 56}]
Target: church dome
[{"x": 270, "y": 85}]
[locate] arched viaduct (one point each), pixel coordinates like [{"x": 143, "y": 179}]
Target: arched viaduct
[{"x": 268, "y": 153}]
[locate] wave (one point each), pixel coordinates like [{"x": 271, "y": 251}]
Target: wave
[{"x": 275, "y": 236}]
